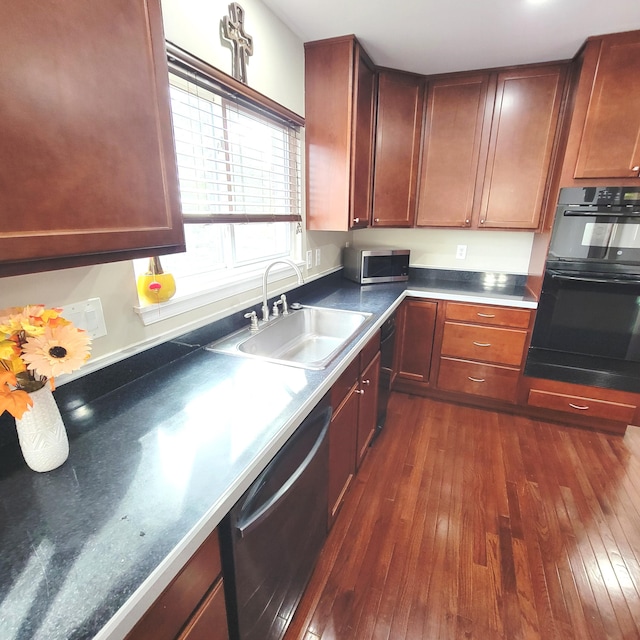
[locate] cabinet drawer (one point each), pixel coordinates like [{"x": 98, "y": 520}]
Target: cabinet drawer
[
  {"x": 210, "y": 621},
  {"x": 369, "y": 351},
  {"x": 579, "y": 405},
  {"x": 179, "y": 600},
  {"x": 491, "y": 381},
  {"x": 486, "y": 314},
  {"x": 343, "y": 384},
  {"x": 490, "y": 344}
]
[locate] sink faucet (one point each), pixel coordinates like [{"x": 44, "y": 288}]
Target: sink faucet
[{"x": 265, "y": 305}]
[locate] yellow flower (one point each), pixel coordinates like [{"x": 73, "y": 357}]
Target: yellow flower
[
  {"x": 30, "y": 319},
  {"x": 60, "y": 349},
  {"x": 14, "y": 401},
  {"x": 10, "y": 356}
]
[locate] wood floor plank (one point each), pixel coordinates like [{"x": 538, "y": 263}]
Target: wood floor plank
[{"x": 466, "y": 523}]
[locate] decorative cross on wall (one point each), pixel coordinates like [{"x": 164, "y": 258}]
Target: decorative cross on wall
[{"x": 242, "y": 43}]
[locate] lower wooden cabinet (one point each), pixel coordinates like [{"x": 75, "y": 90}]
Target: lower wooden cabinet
[
  {"x": 486, "y": 344},
  {"x": 192, "y": 607},
  {"x": 482, "y": 350},
  {"x": 475, "y": 353},
  {"x": 479, "y": 379},
  {"x": 354, "y": 398},
  {"x": 367, "y": 407},
  {"x": 595, "y": 407},
  {"x": 210, "y": 620},
  {"x": 416, "y": 322},
  {"x": 342, "y": 450}
]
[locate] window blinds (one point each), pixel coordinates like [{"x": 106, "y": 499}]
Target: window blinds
[{"x": 236, "y": 163}]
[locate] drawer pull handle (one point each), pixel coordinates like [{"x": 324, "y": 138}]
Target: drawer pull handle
[
  {"x": 482, "y": 344},
  {"x": 487, "y": 315},
  {"x": 577, "y": 406},
  {"x": 475, "y": 379}
]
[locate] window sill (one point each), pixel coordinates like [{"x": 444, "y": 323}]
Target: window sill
[{"x": 218, "y": 292}]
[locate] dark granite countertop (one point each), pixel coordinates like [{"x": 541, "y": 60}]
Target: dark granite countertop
[{"x": 162, "y": 445}]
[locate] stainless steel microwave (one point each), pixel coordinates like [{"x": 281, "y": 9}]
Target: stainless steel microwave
[{"x": 376, "y": 264}]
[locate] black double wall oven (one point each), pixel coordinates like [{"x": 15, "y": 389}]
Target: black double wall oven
[{"x": 587, "y": 327}]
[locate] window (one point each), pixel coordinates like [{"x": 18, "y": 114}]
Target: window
[
  {"x": 240, "y": 181},
  {"x": 234, "y": 163}
]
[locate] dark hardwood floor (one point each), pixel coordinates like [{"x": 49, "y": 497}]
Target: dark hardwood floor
[{"x": 465, "y": 523}]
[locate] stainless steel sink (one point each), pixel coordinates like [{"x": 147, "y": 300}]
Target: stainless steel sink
[{"x": 309, "y": 337}]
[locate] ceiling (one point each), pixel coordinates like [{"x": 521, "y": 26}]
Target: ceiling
[{"x": 438, "y": 36}]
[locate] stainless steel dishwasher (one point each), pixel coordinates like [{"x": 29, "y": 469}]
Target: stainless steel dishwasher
[{"x": 273, "y": 535}]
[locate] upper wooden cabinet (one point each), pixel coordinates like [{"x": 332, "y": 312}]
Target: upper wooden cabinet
[
  {"x": 604, "y": 138},
  {"x": 487, "y": 147},
  {"x": 87, "y": 162},
  {"x": 397, "y": 148},
  {"x": 455, "y": 114},
  {"x": 339, "y": 121}
]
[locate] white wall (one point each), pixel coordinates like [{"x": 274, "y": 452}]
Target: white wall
[
  {"x": 501, "y": 251},
  {"x": 277, "y": 65}
]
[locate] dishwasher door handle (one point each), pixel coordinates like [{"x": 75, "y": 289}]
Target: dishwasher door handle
[{"x": 248, "y": 522}]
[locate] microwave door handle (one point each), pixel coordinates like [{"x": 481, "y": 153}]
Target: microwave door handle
[{"x": 557, "y": 276}]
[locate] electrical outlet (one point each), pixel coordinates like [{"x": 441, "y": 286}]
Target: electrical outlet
[
  {"x": 461, "y": 252},
  {"x": 309, "y": 259},
  {"x": 318, "y": 256}
]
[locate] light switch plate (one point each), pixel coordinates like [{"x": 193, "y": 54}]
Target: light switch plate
[{"x": 87, "y": 315}]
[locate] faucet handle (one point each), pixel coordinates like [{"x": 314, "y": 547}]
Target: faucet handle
[
  {"x": 276, "y": 312},
  {"x": 283, "y": 302},
  {"x": 254, "y": 320}
]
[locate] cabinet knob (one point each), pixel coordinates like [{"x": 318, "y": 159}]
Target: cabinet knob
[
  {"x": 482, "y": 221},
  {"x": 376, "y": 219},
  {"x": 356, "y": 220},
  {"x": 366, "y": 382},
  {"x": 360, "y": 391},
  {"x": 467, "y": 222},
  {"x": 635, "y": 168}
]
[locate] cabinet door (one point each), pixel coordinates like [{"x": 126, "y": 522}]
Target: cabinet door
[
  {"x": 525, "y": 118},
  {"x": 210, "y": 620},
  {"x": 414, "y": 342},
  {"x": 178, "y": 602},
  {"x": 362, "y": 155},
  {"x": 342, "y": 452},
  {"x": 399, "y": 120},
  {"x": 339, "y": 122},
  {"x": 328, "y": 108},
  {"x": 610, "y": 144},
  {"x": 368, "y": 406},
  {"x": 455, "y": 110},
  {"x": 87, "y": 162}
]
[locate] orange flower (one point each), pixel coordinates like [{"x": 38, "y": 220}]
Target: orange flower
[
  {"x": 60, "y": 349},
  {"x": 14, "y": 401}
]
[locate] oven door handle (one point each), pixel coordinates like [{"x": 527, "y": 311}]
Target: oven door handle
[{"x": 558, "y": 276}]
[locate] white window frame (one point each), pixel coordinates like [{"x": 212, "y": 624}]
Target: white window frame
[{"x": 235, "y": 277}]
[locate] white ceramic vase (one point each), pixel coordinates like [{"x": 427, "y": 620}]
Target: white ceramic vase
[{"x": 41, "y": 432}]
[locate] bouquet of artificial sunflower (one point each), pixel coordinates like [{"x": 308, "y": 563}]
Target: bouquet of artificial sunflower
[{"x": 36, "y": 344}]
